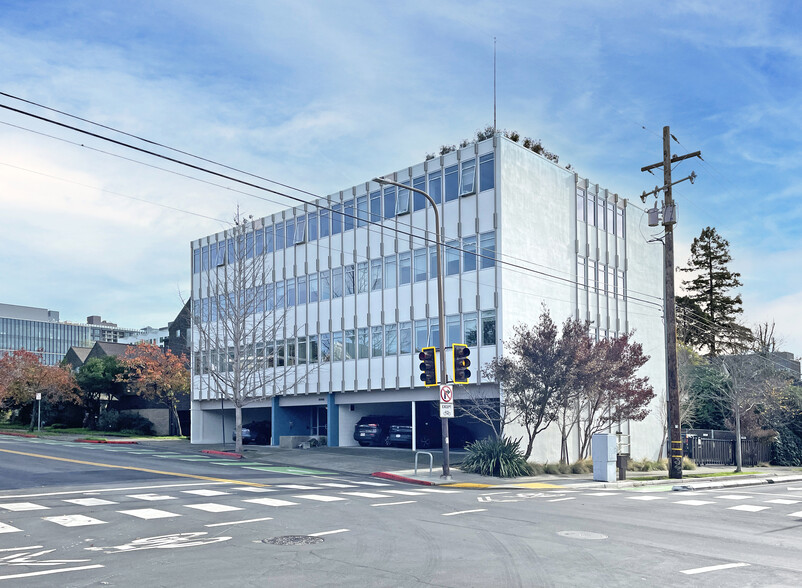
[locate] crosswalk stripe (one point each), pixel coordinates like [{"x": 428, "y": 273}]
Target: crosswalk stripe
[
  {"x": 646, "y": 497},
  {"x": 296, "y": 487},
  {"x": 271, "y": 502},
  {"x": 748, "y": 508},
  {"x": 20, "y": 506},
  {"x": 404, "y": 492},
  {"x": 366, "y": 494},
  {"x": 149, "y": 513},
  {"x": 694, "y": 502},
  {"x": 337, "y": 485},
  {"x": 319, "y": 497},
  {"x": 89, "y": 501},
  {"x": 213, "y": 507},
  {"x": 4, "y": 528},
  {"x": 151, "y": 497},
  {"x": 205, "y": 492},
  {"x": 74, "y": 520}
]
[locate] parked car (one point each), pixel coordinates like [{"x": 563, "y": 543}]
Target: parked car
[
  {"x": 254, "y": 432},
  {"x": 373, "y": 429},
  {"x": 429, "y": 435}
]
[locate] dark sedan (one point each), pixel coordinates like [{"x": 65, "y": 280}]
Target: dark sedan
[
  {"x": 255, "y": 432},
  {"x": 429, "y": 435},
  {"x": 373, "y": 429}
]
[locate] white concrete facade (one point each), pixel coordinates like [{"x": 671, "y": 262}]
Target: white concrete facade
[{"x": 376, "y": 292}]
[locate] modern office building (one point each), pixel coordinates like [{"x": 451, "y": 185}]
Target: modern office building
[
  {"x": 350, "y": 280},
  {"x": 35, "y": 329}
]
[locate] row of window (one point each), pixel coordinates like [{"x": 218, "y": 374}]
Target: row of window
[
  {"x": 389, "y": 202},
  {"x": 367, "y": 276},
  {"x": 601, "y": 278},
  {"x": 598, "y": 212},
  {"x": 363, "y": 343}
]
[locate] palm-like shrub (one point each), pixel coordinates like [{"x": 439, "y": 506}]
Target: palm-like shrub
[{"x": 495, "y": 457}]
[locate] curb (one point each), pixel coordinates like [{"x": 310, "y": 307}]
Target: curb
[
  {"x": 18, "y": 434},
  {"x": 398, "y": 478},
  {"x": 736, "y": 483},
  {"x": 106, "y": 441},
  {"x": 230, "y": 454}
]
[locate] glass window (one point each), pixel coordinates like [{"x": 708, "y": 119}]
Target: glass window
[
  {"x": 391, "y": 339},
  {"x": 469, "y": 254},
  {"x": 453, "y": 331},
  {"x": 205, "y": 258},
  {"x": 402, "y": 203},
  {"x": 301, "y": 350},
  {"x": 336, "y": 219},
  {"x": 249, "y": 245},
  {"x": 196, "y": 261},
  {"x": 620, "y": 283},
  {"x": 364, "y": 343},
  {"x": 486, "y": 172},
  {"x": 389, "y": 201},
  {"x": 300, "y": 230},
  {"x": 350, "y": 344},
  {"x": 592, "y": 275},
  {"x": 290, "y": 231},
  {"x": 270, "y": 297},
  {"x": 488, "y": 327},
  {"x": 419, "y": 200},
  {"x": 362, "y": 211},
  {"x": 590, "y": 210},
  {"x": 349, "y": 280},
  {"x": 433, "y": 261},
  {"x": 290, "y": 352},
  {"x": 600, "y": 212},
  {"x": 301, "y": 290},
  {"x": 259, "y": 243},
  {"x": 325, "y": 285},
  {"x": 436, "y": 187},
  {"x": 290, "y": 292},
  {"x": 452, "y": 259},
  {"x": 231, "y": 255},
  {"x": 313, "y": 291},
  {"x": 325, "y": 347},
  {"x": 280, "y": 295},
  {"x": 348, "y": 217},
  {"x": 580, "y": 205},
  {"x": 337, "y": 282},
  {"x": 468, "y": 177},
  {"x": 376, "y": 206},
  {"x": 452, "y": 183},
  {"x": 580, "y": 272},
  {"x": 434, "y": 333},
  {"x": 311, "y": 224},
  {"x": 313, "y": 349},
  {"x": 420, "y": 265},
  {"x": 487, "y": 241},
  {"x": 405, "y": 338},
  {"x": 213, "y": 255},
  {"x": 405, "y": 267},
  {"x": 337, "y": 346},
  {"x": 269, "y": 239},
  {"x": 377, "y": 344},
  {"x": 390, "y": 269},
  {"x": 469, "y": 323},
  {"x": 610, "y": 217},
  {"x": 279, "y": 239},
  {"x": 600, "y": 273},
  {"x": 375, "y": 274},
  {"x": 619, "y": 222},
  {"x": 610, "y": 280},
  {"x": 362, "y": 277},
  {"x": 325, "y": 225},
  {"x": 280, "y": 353}
]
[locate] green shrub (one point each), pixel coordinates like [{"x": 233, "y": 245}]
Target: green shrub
[
  {"x": 646, "y": 465},
  {"x": 536, "y": 469},
  {"x": 787, "y": 447},
  {"x": 495, "y": 457},
  {"x": 584, "y": 466},
  {"x": 128, "y": 422}
]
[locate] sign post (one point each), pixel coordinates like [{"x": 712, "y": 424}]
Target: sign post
[
  {"x": 446, "y": 402},
  {"x": 39, "y": 401}
]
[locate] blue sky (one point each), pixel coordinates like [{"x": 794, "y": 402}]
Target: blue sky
[{"x": 324, "y": 95}]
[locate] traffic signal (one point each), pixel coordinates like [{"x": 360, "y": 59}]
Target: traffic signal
[
  {"x": 461, "y": 363},
  {"x": 428, "y": 366}
]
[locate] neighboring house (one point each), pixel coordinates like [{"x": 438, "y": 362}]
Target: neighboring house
[
  {"x": 150, "y": 335},
  {"x": 40, "y": 330},
  {"x": 76, "y": 357},
  {"x": 361, "y": 298},
  {"x": 178, "y": 332}
]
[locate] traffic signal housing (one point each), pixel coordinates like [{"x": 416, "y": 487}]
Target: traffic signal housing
[
  {"x": 461, "y": 363},
  {"x": 428, "y": 366}
]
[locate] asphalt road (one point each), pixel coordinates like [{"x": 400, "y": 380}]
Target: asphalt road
[{"x": 129, "y": 516}]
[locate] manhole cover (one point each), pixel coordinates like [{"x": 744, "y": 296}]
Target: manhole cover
[
  {"x": 293, "y": 540},
  {"x": 582, "y": 535}
]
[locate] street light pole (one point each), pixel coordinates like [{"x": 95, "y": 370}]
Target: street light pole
[{"x": 441, "y": 311}]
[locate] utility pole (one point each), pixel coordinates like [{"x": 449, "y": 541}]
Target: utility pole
[{"x": 669, "y": 220}]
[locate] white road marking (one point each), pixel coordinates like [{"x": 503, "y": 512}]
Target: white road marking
[
  {"x": 735, "y": 496},
  {"x": 20, "y": 548},
  {"x": 440, "y": 491},
  {"x": 366, "y": 494},
  {"x": 459, "y": 512},
  {"x": 98, "y": 491},
  {"x": 20, "y": 506},
  {"x": 205, "y": 492},
  {"x": 253, "y": 489},
  {"x": 151, "y": 497},
  {"x": 239, "y": 522},
  {"x": 694, "y": 502},
  {"x": 89, "y": 501},
  {"x": 782, "y": 501},
  {"x": 796, "y": 514},
  {"x": 748, "y": 508},
  {"x": 713, "y": 568},
  {"x": 149, "y": 513},
  {"x": 646, "y": 497},
  {"x": 297, "y": 487},
  {"x": 271, "y": 502},
  {"x": 213, "y": 507},
  {"x": 372, "y": 483},
  {"x": 48, "y": 572},
  {"x": 561, "y": 499},
  {"x": 601, "y": 493},
  {"x": 403, "y": 492},
  {"x": 328, "y": 532},
  {"x": 394, "y": 503},
  {"x": 337, "y": 485},
  {"x": 319, "y": 497},
  {"x": 74, "y": 521},
  {"x": 4, "y": 528}
]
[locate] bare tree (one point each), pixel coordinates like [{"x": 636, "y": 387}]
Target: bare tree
[
  {"x": 492, "y": 412},
  {"x": 246, "y": 348}
]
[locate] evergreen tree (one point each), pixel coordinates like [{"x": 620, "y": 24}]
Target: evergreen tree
[{"x": 709, "y": 312}]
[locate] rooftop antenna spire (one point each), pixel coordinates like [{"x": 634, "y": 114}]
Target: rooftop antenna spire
[{"x": 494, "y": 85}]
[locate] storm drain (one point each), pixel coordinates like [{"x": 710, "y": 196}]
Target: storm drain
[{"x": 293, "y": 540}]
